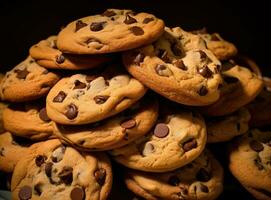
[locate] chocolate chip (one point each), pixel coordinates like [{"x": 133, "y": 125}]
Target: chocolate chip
[
  {"x": 43, "y": 115},
  {"x": 108, "y": 13},
  {"x": 161, "y": 130},
  {"x": 203, "y": 55},
  {"x": 48, "y": 169},
  {"x": 258, "y": 163},
  {"x": 58, "y": 153},
  {"x": 60, "y": 59},
  {"x": 203, "y": 175},
  {"x": 100, "y": 175},
  {"x": 203, "y": 188},
  {"x": 72, "y": 111},
  {"x": 79, "y": 24},
  {"x": 21, "y": 74},
  {"x": 189, "y": 144},
  {"x": 77, "y": 194},
  {"x": 177, "y": 51},
  {"x": 256, "y": 146},
  {"x": 90, "y": 78},
  {"x": 147, "y": 20},
  {"x": 2, "y": 151},
  {"x": 40, "y": 159},
  {"x": 37, "y": 189},
  {"x": 202, "y": 91},
  {"x": 163, "y": 55},
  {"x": 139, "y": 58},
  {"x": 79, "y": 85},
  {"x": 136, "y": 30},
  {"x": 180, "y": 64},
  {"x": 129, "y": 20},
  {"x": 230, "y": 79},
  {"x": 205, "y": 72},
  {"x": 128, "y": 123},
  {"x": 214, "y": 37},
  {"x": 174, "y": 180},
  {"x": 25, "y": 193},
  {"x": 59, "y": 97},
  {"x": 66, "y": 175},
  {"x": 97, "y": 26},
  {"x": 100, "y": 99}
]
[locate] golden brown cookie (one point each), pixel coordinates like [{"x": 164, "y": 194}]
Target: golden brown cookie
[
  {"x": 47, "y": 55},
  {"x": 112, "y": 31},
  {"x": 177, "y": 66}
]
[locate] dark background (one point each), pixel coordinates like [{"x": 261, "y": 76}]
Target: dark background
[
  {"x": 245, "y": 23},
  {"x": 23, "y": 23}
]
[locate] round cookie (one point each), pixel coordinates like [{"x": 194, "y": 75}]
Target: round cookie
[
  {"x": 221, "y": 48},
  {"x": 113, "y": 132},
  {"x": 178, "y": 66},
  {"x": 222, "y": 129},
  {"x": 250, "y": 160},
  {"x": 112, "y": 31},
  {"x": 240, "y": 87},
  {"x": 53, "y": 171},
  {"x": 82, "y": 99},
  {"x": 47, "y": 55},
  {"x": 28, "y": 120},
  {"x": 201, "y": 179},
  {"x": 27, "y": 81},
  {"x": 243, "y": 60},
  {"x": 175, "y": 140},
  {"x": 2, "y": 107},
  {"x": 260, "y": 110},
  {"x": 12, "y": 149}
]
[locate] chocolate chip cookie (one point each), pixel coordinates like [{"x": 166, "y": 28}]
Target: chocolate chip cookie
[
  {"x": 27, "y": 81},
  {"x": 201, "y": 179},
  {"x": 224, "y": 128},
  {"x": 176, "y": 140},
  {"x": 53, "y": 171},
  {"x": 12, "y": 149},
  {"x": 28, "y": 120},
  {"x": 178, "y": 66},
  {"x": 250, "y": 161},
  {"x": 240, "y": 86},
  {"x": 114, "y": 132},
  {"x": 221, "y": 48},
  {"x": 111, "y": 31},
  {"x": 82, "y": 99},
  {"x": 47, "y": 55}
]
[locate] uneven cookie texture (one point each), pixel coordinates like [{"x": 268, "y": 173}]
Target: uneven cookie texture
[
  {"x": 113, "y": 132},
  {"x": 47, "y": 55},
  {"x": 112, "y": 31},
  {"x": 224, "y": 128},
  {"x": 175, "y": 140},
  {"x": 53, "y": 171},
  {"x": 260, "y": 110},
  {"x": 82, "y": 99},
  {"x": 177, "y": 66},
  {"x": 28, "y": 120},
  {"x": 221, "y": 48},
  {"x": 250, "y": 161},
  {"x": 11, "y": 151},
  {"x": 201, "y": 179},
  {"x": 27, "y": 81},
  {"x": 240, "y": 86},
  {"x": 2, "y": 108}
]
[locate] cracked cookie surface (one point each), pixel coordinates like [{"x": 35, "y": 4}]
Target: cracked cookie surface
[
  {"x": 178, "y": 66},
  {"x": 54, "y": 171}
]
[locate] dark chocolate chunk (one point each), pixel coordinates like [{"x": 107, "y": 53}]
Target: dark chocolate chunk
[
  {"x": 66, "y": 175},
  {"x": 25, "y": 193},
  {"x": 21, "y": 74},
  {"x": 59, "y": 97},
  {"x": 79, "y": 85},
  {"x": 161, "y": 130},
  {"x": 256, "y": 146},
  {"x": 189, "y": 144},
  {"x": 79, "y": 24},
  {"x": 129, "y": 20},
  {"x": 48, "y": 169},
  {"x": 77, "y": 194},
  {"x": 100, "y": 175},
  {"x": 205, "y": 72},
  {"x": 180, "y": 64},
  {"x": 136, "y": 30},
  {"x": 60, "y": 59},
  {"x": 100, "y": 99},
  {"x": 128, "y": 123},
  {"x": 147, "y": 20},
  {"x": 43, "y": 115},
  {"x": 97, "y": 26},
  {"x": 72, "y": 111},
  {"x": 40, "y": 159},
  {"x": 139, "y": 58},
  {"x": 202, "y": 91},
  {"x": 108, "y": 13}
]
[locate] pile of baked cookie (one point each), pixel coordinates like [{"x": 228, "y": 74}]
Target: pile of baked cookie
[{"x": 122, "y": 85}]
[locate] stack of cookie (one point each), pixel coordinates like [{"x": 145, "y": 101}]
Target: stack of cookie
[{"x": 122, "y": 85}]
